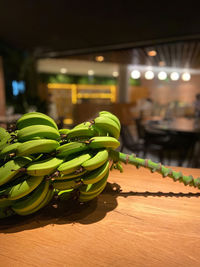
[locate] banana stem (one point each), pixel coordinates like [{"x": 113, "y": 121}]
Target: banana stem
[{"x": 154, "y": 167}]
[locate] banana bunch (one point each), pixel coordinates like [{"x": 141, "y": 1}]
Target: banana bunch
[{"x": 38, "y": 160}]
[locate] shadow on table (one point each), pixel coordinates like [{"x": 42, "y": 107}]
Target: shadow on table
[{"x": 73, "y": 212}]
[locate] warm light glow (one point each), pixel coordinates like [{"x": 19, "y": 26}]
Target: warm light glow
[
  {"x": 152, "y": 53},
  {"x": 174, "y": 76},
  {"x": 68, "y": 121},
  {"x": 162, "y": 63},
  {"x": 99, "y": 58},
  {"x": 90, "y": 72},
  {"x": 162, "y": 75},
  {"x": 135, "y": 74},
  {"x": 149, "y": 75},
  {"x": 63, "y": 70},
  {"x": 186, "y": 76},
  {"x": 115, "y": 73}
]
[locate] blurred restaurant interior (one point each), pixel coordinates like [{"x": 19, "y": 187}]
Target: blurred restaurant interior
[{"x": 140, "y": 61}]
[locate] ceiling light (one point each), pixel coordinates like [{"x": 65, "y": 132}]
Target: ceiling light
[
  {"x": 152, "y": 53},
  {"x": 63, "y": 70},
  {"x": 90, "y": 72},
  {"x": 115, "y": 74},
  {"x": 149, "y": 75},
  {"x": 99, "y": 58},
  {"x": 135, "y": 74},
  {"x": 162, "y": 75},
  {"x": 174, "y": 76},
  {"x": 186, "y": 76}
]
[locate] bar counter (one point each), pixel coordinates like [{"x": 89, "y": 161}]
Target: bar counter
[{"x": 141, "y": 219}]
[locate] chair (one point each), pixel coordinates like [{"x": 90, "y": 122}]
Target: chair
[
  {"x": 128, "y": 141},
  {"x": 169, "y": 143}
]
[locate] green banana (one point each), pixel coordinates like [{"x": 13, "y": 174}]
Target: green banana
[
  {"x": 63, "y": 133},
  {"x": 5, "y": 137},
  {"x": 31, "y": 201},
  {"x": 9, "y": 150},
  {"x": 65, "y": 194},
  {"x": 111, "y": 116},
  {"x": 37, "y": 131},
  {"x": 108, "y": 125},
  {"x": 95, "y": 175},
  {"x": 86, "y": 124},
  {"x": 103, "y": 142},
  {"x": 66, "y": 184},
  {"x": 71, "y": 175},
  {"x": 94, "y": 188},
  {"x": 43, "y": 167},
  {"x": 35, "y": 118},
  {"x": 98, "y": 160},
  {"x": 68, "y": 149},
  {"x": 11, "y": 168},
  {"x": 86, "y": 198},
  {"x": 24, "y": 188},
  {"x": 36, "y": 147},
  {"x": 6, "y": 212},
  {"x": 44, "y": 203},
  {"x": 81, "y": 132},
  {"x": 73, "y": 164}
]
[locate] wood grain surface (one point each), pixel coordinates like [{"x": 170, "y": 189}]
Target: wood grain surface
[{"x": 152, "y": 221}]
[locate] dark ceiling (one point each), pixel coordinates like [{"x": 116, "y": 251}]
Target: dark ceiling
[
  {"x": 57, "y": 28},
  {"x": 180, "y": 54}
]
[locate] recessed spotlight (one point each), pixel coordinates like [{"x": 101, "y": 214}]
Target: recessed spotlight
[
  {"x": 162, "y": 75},
  {"x": 149, "y": 75},
  {"x": 186, "y": 76},
  {"x": 99, "y": 58},
  {"x": 135, "y": 74},
  {"x": 90, "y": 72},
  {"x": 174, "y": 76},
  {"x": 152, "y": 53},
  {"x": 115, "y": 74},
  {"x": 63, "y": 70}
]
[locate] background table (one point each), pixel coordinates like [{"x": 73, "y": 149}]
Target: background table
[{"x": 151, "y": 222}]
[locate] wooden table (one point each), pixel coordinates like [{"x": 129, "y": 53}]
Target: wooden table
[{"x": 151, "y": 222}]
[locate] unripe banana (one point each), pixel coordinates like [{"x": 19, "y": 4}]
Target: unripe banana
[
  {"x": 43, "y": 167},
  {"x": 96, "y": 175},
  {"x": 32, "y": 201},
  {"x": 108, "y": 125},
  {"x": 4, "y": 202},
  {"x": 98, "y": 160},
  {"x": 65, "y": 194},
  {"x": 24, "y": 188},
  {"x": 66, "y": 184},
  {"x": 6, "y": 212},
  {"x": 36, "y": 147},
  {"x": 35, "y": 118},
  {"x": 4, "y": 138},
  {"x": 73, "y": 164},
  {"x": 65, "y": 150},
  {"x": 35, "y": 131},
  {"x": 81, "y": 132},
  {"x": 111, "y": 116},
  {"x": 73, "y": 175},
  {"x": 94, "y": 188},
  {"x": 44, "y": 203},
  {"x": 103, "y": 142},
  {"x": 86, "y": 198},
  {"x": 12, "y": 168},
  {"x": 8, "y": 150}
]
